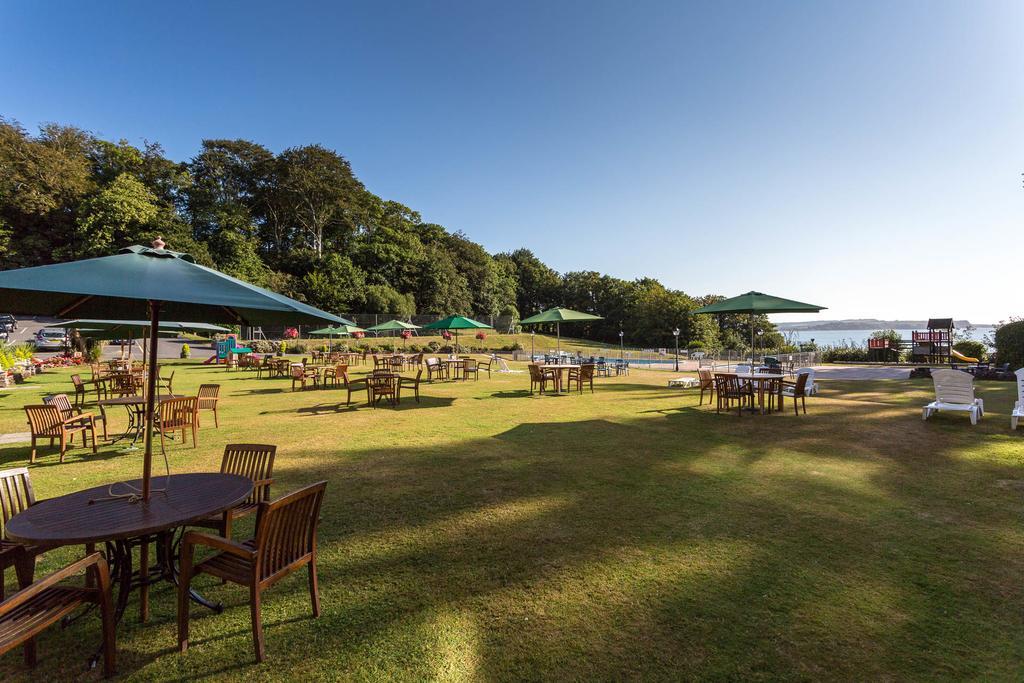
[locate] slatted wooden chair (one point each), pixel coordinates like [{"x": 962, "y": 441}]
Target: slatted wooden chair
[
  {"x": 411, "y": 383},
  {"x": 209, "y": 398},
  {"x": 178, "y": 415},
  {"x": 485, "y": 366},
  {"x": 285, "y": 541},
  {"x": 16, "y": 495},
  {"x": 539, "y": 377},
  {"x": 302, "y": 375},
  {"x": 707, "y": 383},
  {"x": 32, "y": 610},
  {"x": 47, "y": 422},
  {"x": 333, "y": 375},
  {"x": 80, "y": 390},
  {"x": 382, "y": 386},
  {"x": 471, "y": 368},
  {"x": 728, "y": 391},
  {"x": 584, "y": 375},
  {"x": 352, "y": 386},
  {"x": 435, "y": 368},
  {"x": 252, "y": 460},
  {"x": 167, "y": 382},
  {"x": 67, "y": 410},
  {"x": 796, "y": 390}
]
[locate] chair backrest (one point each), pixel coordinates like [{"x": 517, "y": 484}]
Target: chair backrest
[
  {"x": 76, "y": 380},
  {"x": 1020, "y": 385},
  {"x": 286, "y": 529},
  {"x": 208, "y": 395},
  {"x": 807, "y": 371},
  {"x": 953, "y": 386},
  {"x": 298, "y": 371},
  {"x": 802, "y": 379},
  {"x": 253, "y": 460},
  {"x": 16, "y": 495},
  {"x": 726, "y": 383},
  {"x": 471, "y": 363},
  {"x": 431, "y": 361},
  {"x": 178, "y": 411},
  {"x": 706, "y": 378},
  {"x": 43, "y": 419},
  {"x": 62, "y": 403},
  {"x": 419, "y": 373},
  {"x": 587, "y": 371},
  {"x": 534, "y": 372}
]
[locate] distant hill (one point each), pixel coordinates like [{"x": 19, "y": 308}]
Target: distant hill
[{"x": 865, "y": 324}]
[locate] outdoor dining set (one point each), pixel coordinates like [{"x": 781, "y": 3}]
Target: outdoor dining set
[{"x": 760, "y": 389}]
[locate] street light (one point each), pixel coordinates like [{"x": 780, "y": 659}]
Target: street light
[
  {"x": 752, "y": 351},
  {"x": 675, "y": 333},
  {"x": 532, "y": 333},
  {"x": 622, "y": 349}
]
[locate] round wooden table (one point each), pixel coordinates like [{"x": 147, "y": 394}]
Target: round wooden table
[
  {"x": 136, "y": 407},
  {"x": 559, "y": 368},
  {"x": 760, "y": 378},
  {"x": 89, "y": 517}
]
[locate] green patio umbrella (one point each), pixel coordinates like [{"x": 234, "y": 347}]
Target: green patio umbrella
[
  {"x": 126, "y": 328},
  {"x": 559, "y": 316},
  {"x": 346, "y": 329},
  {"x": 148, "y": 282},
  {"x": 756, "y": 302},
  {"x": 456, "y": 323},
  {"x": 394, "y": 326}
]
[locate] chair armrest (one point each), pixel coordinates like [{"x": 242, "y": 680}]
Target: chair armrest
[
  {"x": 262, "y": 482},
  {"x": 26, "y": 594},
  {"x": 218, "y": 543},
  {"x": 81, "y": 417}
]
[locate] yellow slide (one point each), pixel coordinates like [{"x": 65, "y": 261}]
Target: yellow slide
[{"x": 960, "y": 356}]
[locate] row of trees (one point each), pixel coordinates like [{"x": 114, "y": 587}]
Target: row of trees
[{"x": 300, "y": 222}]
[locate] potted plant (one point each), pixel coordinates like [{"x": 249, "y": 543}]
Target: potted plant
[{"x": 186, "y": 352}]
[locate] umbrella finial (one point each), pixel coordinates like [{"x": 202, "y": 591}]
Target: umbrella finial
[{"x": 159, "y": 243}]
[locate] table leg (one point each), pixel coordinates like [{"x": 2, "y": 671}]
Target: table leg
[
  {"x": 144, "y": 581},
  {"x": 169, "y": 541}
]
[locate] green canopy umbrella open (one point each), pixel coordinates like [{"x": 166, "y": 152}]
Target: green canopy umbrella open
[
  {"x": 126, "y": 328},
  {"x": 344, "y": 330},
  {"x": 559, "y": 316},
  {"x": 147, "y": 282},
  {"x": 456, "y": 323},
  {"x": 754, "y": 303},
  {"x": 394, "y": 326}
]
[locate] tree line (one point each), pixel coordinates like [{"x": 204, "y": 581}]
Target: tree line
[{"x": 301, "y": 223}]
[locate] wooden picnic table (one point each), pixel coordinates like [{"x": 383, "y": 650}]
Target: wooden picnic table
[
  {"x": 92, "y": 516},
  {"x": 559, "y": 368}
]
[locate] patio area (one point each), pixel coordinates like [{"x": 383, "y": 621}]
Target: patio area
[{"x": 486, "y": 534}]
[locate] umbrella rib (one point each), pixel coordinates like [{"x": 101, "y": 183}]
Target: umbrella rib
[{"x": 73, "y": 305}]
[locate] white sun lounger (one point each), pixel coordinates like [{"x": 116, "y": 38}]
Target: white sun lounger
[
  {"x": 954, "y": 390},
  {"x": 1018, "y": 406},
  {"x": 684, "y": 382},
  {"x": 503, "y": 366}
]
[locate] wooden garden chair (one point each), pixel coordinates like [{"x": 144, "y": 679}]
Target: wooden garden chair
[
  {"x": 67, "y": 410},
  {"x": 411, "y": 383},
  {"x": 485, "y": 365},
  {"x": 333, "y": 375},
  {"x": 707, "y": 383},
  {"x": 302, "y": 376},
  {"x": 382, "y": 386},
  {"x": 167, "y": 382},
  {"x": 16, "y": 495},
  {"x": 471, "y": 367},
  {"x": 178, "y": 415},
  {"x": 585, "y": 374},
  {"x": 285, "y": 541},
  {"x": 351, "y": 386},
  {"x": 796, "y": 390},
  {"x": 209, "y": 398},
  {"x": 728, "y": 391},
  {"x": 252, "y": 460},
  {"x": 540, "y": 377},
  {"x": 47, "y": 422},
  {"x": 32, "y": 610},
  {"x": 435, "y": 368}
]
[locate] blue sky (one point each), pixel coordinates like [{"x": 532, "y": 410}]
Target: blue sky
[{"x": 866, "y": 156}]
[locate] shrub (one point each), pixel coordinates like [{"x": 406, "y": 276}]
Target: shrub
[
  {"x": 262, "y": 346},
  {"x": 296, "y": 347},
  {"x": 971, "y": 349},
  {"x": 844, "y": 353},
  {"x": 434, "y": 346},
  {"x": 186, "y": 352},
  {"x": 282, "y": 347},
  {"x": 1009, "y": 343}
]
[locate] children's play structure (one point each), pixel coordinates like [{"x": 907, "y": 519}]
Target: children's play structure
[
  {"x": 931, "y": 346},
  {"x": 226, "y": 349}
]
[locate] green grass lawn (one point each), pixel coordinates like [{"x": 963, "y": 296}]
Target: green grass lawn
[{"x": 488, "y": 535}]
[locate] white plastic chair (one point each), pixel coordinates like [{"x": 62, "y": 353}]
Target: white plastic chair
[
  {"x": 1018, "y": 406},
  {"x": 811, "y": 387},
  {"x": 954, "y": 390}
]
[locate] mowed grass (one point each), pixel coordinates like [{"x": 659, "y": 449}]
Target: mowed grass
[{"x": 485, "y": 534}]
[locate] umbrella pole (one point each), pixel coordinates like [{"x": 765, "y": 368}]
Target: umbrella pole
[
  {"x": 751, "y": 342},
  {"x": 147, "y": 462},
  {"x": 558, "y": 340}
]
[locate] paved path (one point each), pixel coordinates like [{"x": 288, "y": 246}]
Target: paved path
[
  {"x": 864, "y": 372},
  {"x": 16, "y": 437}
]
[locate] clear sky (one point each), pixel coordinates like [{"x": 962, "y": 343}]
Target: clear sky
[{"x": 865, "y": 156}]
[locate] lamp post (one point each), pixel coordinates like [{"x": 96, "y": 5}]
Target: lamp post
[
  {"x": 622, "y": 349},
  {"x": 532, "y": 333},
  {"x": 753, "y": 350},
  {"x": 675, "y": 333}
]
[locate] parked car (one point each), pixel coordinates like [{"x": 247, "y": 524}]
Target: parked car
[
  {"x": 51, "y": 339},
  {"x": 8, "y": 323}
]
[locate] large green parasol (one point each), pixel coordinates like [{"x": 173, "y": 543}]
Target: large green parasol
[
  {"x": 456, "y": 323},
  {"x": 756, "y": 302},
  {"x": 559, "y": 316},
  {"x": 340, "y": 330},
  {"x": 147, "y": 282}
]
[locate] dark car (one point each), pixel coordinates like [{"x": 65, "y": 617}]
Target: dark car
[{"x": 8, "y": 323}]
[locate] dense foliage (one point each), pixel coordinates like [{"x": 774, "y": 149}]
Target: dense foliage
[
  {"x": 1009, "y": 343},
  {"x": 300, "y": 222}
]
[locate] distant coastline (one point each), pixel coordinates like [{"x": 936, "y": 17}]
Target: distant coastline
[{"x": 867, "y": 324}]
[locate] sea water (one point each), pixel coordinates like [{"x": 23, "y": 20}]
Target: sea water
[{"x": 860, "y": 337}]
